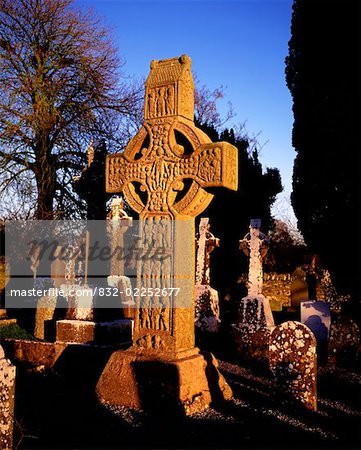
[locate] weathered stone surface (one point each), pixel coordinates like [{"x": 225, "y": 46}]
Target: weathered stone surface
[
  {"x": 80, "y": 302},
  {"x": 172, "y": 162},
  {"x": 187, "y": 380},
  {"x": 119, "y": 223},
  {"x": 344, "y": 340},
  {"x": 7, "y": 395},
  {"x": 124, "y": 286},
  {"x": 44, "y": 311},
  {"x": 82, "y": 331},
  {"x": 207, "y": 317},
  {"x": 255, "y": 309},
  {"x": 299, "y": 289},
  {"x": 293, "y": 362},
  {"x": 255, "y": 312},
  {"x": 34, "y": 352}
]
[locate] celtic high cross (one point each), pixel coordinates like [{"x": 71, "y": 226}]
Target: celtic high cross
[{"x": 163, "y": 174}]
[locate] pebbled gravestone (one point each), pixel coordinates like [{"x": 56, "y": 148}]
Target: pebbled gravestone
[
  {"x": 7, "y": 395},
  {"x": 293, "y": 362}
]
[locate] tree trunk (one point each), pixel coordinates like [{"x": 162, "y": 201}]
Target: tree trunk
[{"x": 45, "y": 175}]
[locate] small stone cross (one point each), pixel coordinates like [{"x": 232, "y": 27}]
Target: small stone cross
[
  {"x": 254, "y": 245},
  {"x": 206, "y": 244}
]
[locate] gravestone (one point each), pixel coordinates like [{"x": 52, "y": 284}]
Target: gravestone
[
  {"x": 7, "y": 399},
  {"x": 255, "y": 319},
  {"x": 299, "y": 290},
  {"x": 163, "y": 174},
  {"x": 293, "y": 362},
  {"x": 317, "y": 316},
  {"x": 206, "y": 298}
]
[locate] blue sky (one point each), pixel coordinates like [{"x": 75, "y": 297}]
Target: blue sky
[{"x": 238, "y": 44}]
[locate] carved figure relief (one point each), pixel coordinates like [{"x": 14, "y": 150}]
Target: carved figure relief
[{"x": 160, "y": 169}]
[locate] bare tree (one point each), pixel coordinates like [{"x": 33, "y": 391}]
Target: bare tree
[{"x": 59, "y": 86}]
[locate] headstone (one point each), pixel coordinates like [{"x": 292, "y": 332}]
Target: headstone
[
  {"x": 299, "y": 289},
  {"x": 207, "y": 316},
  {"x": 7, "y": 399},
  {"x": 45, "y": 310},
  {"x": 293, "y": 362},
  {"x": 317, "y": 316},
  {"x": 163, "y": 174}
]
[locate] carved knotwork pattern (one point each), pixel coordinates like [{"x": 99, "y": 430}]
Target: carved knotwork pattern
[{"x": 154, "y": 172}]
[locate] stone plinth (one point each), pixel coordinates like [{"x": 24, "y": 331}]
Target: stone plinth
[
  {"x": 85, "y": 331},
  {"x": 186, "y": 380},
  {"x": 207, "y": 309},
  {"x": 7, "y": 395},
  {"x": 255, "y": 311},
  {"x": 293, "y": 362}
]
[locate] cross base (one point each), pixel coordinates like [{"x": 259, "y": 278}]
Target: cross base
[{"x": 184, "y": 382}]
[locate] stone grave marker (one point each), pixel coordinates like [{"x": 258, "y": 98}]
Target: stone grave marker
[
  {"x": 7, "y": 399},
  {"x": 317, "y": 316},
  {"x": 299, "y": 289},
  {"x": 252, "y": 332},
  {"x": 163, "y": 174},
  {"x": 207, "y": 317},
  {"x": 293, "y": 362}
]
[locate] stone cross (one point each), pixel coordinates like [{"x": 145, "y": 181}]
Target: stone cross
[
  {"x": 206, "y": 244},
  {"x": 163, "y": 174},
  {"x": 254, "y": 246},
  {"x": 120, "y": 222}
]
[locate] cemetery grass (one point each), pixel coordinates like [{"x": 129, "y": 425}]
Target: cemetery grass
[{"x": 57, "y": 409}]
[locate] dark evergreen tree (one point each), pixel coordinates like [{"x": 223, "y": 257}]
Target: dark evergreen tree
[
  {"x": 323, "y": 76},
  {"x": 230, "y": 212}
]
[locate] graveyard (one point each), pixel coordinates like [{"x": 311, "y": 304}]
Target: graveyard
[
  {"x": 120, "y": 327},
  {"x": 139, "y": 379}
]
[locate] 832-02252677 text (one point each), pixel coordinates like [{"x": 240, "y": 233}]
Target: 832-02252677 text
[{"x": 136, "y": 292}]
